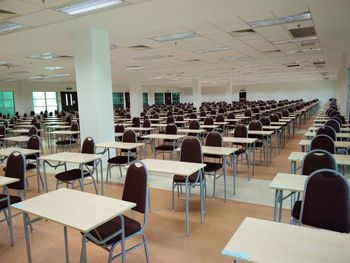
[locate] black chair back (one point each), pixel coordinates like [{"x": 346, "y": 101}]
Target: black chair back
[
  {"x": 327, "y": 130},
  {"x": 317, "y": 159},
  {"x": 15, "y": 168}
]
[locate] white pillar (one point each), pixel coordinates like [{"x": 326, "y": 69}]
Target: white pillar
[
  {"x": 94, "y": 84},
  {"x": 196, "y": 93},
  {"x": 228, "y": 92},
  {"x": 150, "y": 96},
  {"x": 342, "y": 85},
  {"x": 135, "y": 90}
]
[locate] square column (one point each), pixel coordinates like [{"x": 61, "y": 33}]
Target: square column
[
  {"x": 136, "y": 96},
  {"x": 196, "y": 93}
]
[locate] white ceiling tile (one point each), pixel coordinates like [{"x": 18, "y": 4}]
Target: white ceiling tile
[
  {"x": 48, "y": 3},
  {"x": 257, "y": 16},
  {"x": 19, "y": 7}
]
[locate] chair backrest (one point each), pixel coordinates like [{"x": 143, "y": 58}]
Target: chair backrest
[
  {"x": 88, "y": 146},
  {"x": 34, "y": 121},
  {"x": 334, "y": 124},
  {"x": 255, "y": 125},
  {"x": 191, "y": 150},
  {"x": 15, "y": 168},
  {"x": 129, "y": 136},
  {"x": 69, "y": 119},
  {"x": 248, "y": 113},
  {"x": 170, "y": 119},
  {"x": 240, "y": 131},
  {"x": 146, "y": 123},
  {"x": 171, "y": 129},
  {"x": 194, "y": 125},
  {"x": 193, "y": 116},
  {"x": 220, "y": 118},
  {"x": 34, "y": 142},
  {"x": 265, "y": 121},
  {"x": 214, "y": 138},
  {"x": 279, "y": 115},
  {"x": 231, "y": 115},
  {"x": 274, "y": 118},
  {"x": 326, "y": 202},
  {"x": 74, "y": 126},
  {"x": 136, "y": 187},
  {"x": 317, "y": 159},
  {"x": 136, "y": 122},
  {"x": 202, "y": 114},
  {"x": 2, "y": 130},
  {"x": 208, "y": 121},
  {"x": 180, "y": 118},
  {"x": 323, "y": 142},
  {"x": 285, "y": 113},
  {"x": 119, "y": 128},
  {"x": 327, "y": 130},
  {"x": 32, "y": 131}
]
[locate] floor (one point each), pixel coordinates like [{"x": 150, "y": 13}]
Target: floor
[{"x": 166, "y": 229}]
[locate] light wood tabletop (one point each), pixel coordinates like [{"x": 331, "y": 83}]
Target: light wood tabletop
[
  {"x": 278, "y": 123},
  {"x": 139, "y": 128},
  {"x": 18, "y": 139},
  {"x": 338, "y": 144},
  {"x": 71, "y": 157},
  {"x": 315, "y": 128},
  {"x": 289, "y": 182},
  {"x": 7, "y": 180},
  {"x": 223, "y": 151},
  {"x": 120, "y": 145},
  {"x": 163, "y": 136},
  {"x": 263, "y": 133},
  {"x": 65, "y": 132},
  {"x": 239, "y": 140},
  {"x": 339, "y": 135},
  {"x": 339, "y": 158},
  {"x": 265, "y": 241},
  {"x": 191, "y": 131},
  {"x": 87, "y": 212},
  {"x": 7, "y": 151}
]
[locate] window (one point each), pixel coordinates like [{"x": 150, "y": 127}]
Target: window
[
  {"x": 145, "y": 99},
  {"x": 44, "y": 101},
  {"x": 158, "y": 98},
  {"x": 176, "y": 98},
  {"x": 118, "y": 100},
  {"x": 7, "y": 103}
]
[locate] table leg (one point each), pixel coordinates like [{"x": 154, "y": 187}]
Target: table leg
[
  {"x": 83, "y": 255},
  {"x": 26, "y": 234},
  {"x": 82, "y": 177},
  {"x": 276, "y": 205},
  {"x": 66, "y": 243},
  {"x": 224, "y": 160},
  {"x": 101, "y": 167},
  {"x": 294, "y": 167},
  {"x": 187, "y": 220},
  {"x": 201, "y": 196},
  {"x": 280, "y": 205},
  {"x": 253, "y": 166},
  {"x": 45, "y": 177},
  {"x": 234, "y": 172}
]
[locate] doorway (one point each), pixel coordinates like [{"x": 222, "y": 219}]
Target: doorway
[{"x": 69, "y": 101}]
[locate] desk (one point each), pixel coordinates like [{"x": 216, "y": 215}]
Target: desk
[
  {"x": 316, "y": 127},
  {"x": 267, "y": 135},
  {"x": 196, "y": 131},
  {"x": 299, "y": 156},
  {"x": 264, "y": 241},
  {"x": 338, "y": 144},
  {"x": 4, "y": 181},
  {"x": 185, "y": 169},
  {"x": 339, "y": 135},
  {"x": 62, "y": 133},
  {"x": 74, "y": 209},
  {"x": 285, "y": 182},
  {"x": 71, "y": 157},
  {"x": 154, "y": 136},
  {"x": 16, "y": 139}
]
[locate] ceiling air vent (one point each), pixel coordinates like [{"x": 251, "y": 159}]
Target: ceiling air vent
[
  {"x": 303, "y": 32},
  {"x": 272, "y": 51},
  {"x": 293, "y": 65},
  {"x": 66, "y": 57},
  {"x": 305, "y": 44},
  {"x": 242, "y": 32},
  {"x": 193, "y": 60},
  {"x": 320, "y": 62},
  {"x": 139, "y": 47},
  {"x": 324, "y": 74}
]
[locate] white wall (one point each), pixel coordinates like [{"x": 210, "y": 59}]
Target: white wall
[{"x": 307, "y": 90}]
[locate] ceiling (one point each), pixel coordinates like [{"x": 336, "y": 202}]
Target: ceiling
[{"x": 256, "y": 57}]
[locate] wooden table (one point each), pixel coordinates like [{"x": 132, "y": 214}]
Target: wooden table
[
  {"x": 74, "y": 209},
  {"x": 61, "y": 133},
  {"x": 339, "y": 135},
  {"x": 16, "y": 139},
  {"x": 338, "y": 144},
  {"x": 264, "y": 241},
  {"x": 4, "y": 181},
  {"x": 119, "y": 145},
  {"x": 187, "y": 131},
  {"x": 71, "y": 157},
  {"x": 162, "y": 136},
  {"x": 315, "y": 128},
  {"x": 184, "y": 169}
]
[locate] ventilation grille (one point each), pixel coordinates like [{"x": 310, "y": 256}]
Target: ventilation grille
[
  {"x": 275, "y": 51},
  {"x": 139, "y": 47},
  {"x": 305, "y": 44},
  {"x": 303, "y": 32},
  {"x": 293, "y": 65},
  {"x": 193, "y": 60},
  {"x": 242, "y": 32}
]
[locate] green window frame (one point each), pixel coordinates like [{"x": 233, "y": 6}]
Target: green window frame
[
  {"x": 159, "y": 98},
  {"x": 45, "y": 101},
  {"x": 7, "y": 103},
  {"x": 145, "y": 99},
  {"x": 175, "y": 97},
  {"x": 118, "y": 100}
]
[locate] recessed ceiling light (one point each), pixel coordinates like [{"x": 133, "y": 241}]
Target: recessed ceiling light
[
  {"x": 88, "y": 6},
  {"x": 62, "y": 75},
  {"x": 9, "y": 26},
  {"x": 281, "y": 20},
  {"x": 53, "y": 68},
  {"x": 209, "y": 50},
  {"x": 9, "y": 80},
  {"x": 155, "y": 77},
  {"x": 295, "y": 40},
  {"x": 3, "y": 63},
  {"x": 177, "y": 36},
  {"x": 134, "y": 67},
  {"x": 45, "y": 55},
  {"x": 149, "y": 57},
  {"x": 36, "y": 77}
]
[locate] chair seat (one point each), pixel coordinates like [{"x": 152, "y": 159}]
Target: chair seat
[
  {"x": 65, "y": 142},
  {"x": 212, "y": 167},
  {"x": 30, "y": 166},
  {"x": 182, "y": 179},
  {"x": 240, "y": 151},
  {"x": 296, "y": 210},
  {"x": 112, "y": 226},
  {"x": 13, "y": 199},
  {"x": 122, "y": 159},
  {"x": 212, "y": 156},
  {"x": 165, "y": 147},
  {"x": 32, "y": 157},
  {"x": 71, "y": 175}
]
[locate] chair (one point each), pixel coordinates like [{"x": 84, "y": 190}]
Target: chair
[
  {"x": 15, "y": 168},
  {"x": 220, "y": 118},
  {"x": 170, "y": 120},
  {"x": 121, "y": 160},
  {"x": 109, "y": 234},
  {"x": 33, "y": 131},
  {"x": 265, "y": 121},
  {"x": 136, "y": 122},
  {"x": 323, "y": 142},
  {"x": 215, "y": 139},
  {"x": 191, "y": 151},
  {"x": 70, "y": 176},
  {"x": 2, "y": 134},
  {"x": 256, "y": 125},
  {"x": 193, "y": 116},
  {"x": 334, "y": 124},
  {"x": 241, "y": 131},
  {"x": 326, "y": 202},
  {"x": 327, "y": 130},
  {"x": 180, "y": 118},
  {"x": 119, "y": 129},
  {"x": 72, "y": 139},
  {"x": 208, "y": 121},
  {"x": 168, "y": 145},
  {"x": 34, "y": 144}
]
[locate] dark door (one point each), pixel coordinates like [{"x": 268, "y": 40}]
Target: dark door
[
  {"x": 167, "y": 98},
  {"x": 69, "y": 101},
  {"x": 127, "y": 100},
  {"x": 242, "y": 96}
]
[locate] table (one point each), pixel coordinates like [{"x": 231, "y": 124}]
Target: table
[
  {"x": 338, "y": 144},
  {"x": 74, "y": 209},
  {"x": 119, "y": 145},
  {"x": 299, "y": 156},
  {"x": 154, "y": 136},
  {"x": 264, "y": 241},
  {"x": 17, "y": 139},
  {"x": 285, "y": 182},
  {"x": 71, "y": 157},
  {"x": 315, "y": 128},
  {"x": 268, "y": 136},
  {"x": 339, "y": 135},
  {"x": 4, "y": 181},
  {"x": 62, "y": 133},
  {"x": 196, "y": 131},
  {"x": 179, "y": 168}
]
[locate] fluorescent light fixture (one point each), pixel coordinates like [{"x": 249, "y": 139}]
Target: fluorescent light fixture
[
  {"x": 45, "y": 55},
  {"x": 36, "y": 77},
  {"x": 155, "y": 78},
  {"x": 134, "y": 67},
  {"x": 311, "y": 50},
  {"x": 210, "y": 50},
  {"x": 88, "y": 6},
  {"x": 3, "y": 63},
  {"x": 281, "y": 20},
  {"x": 149, "y": 57},
  {"x": 53, "y": 68},
  {"x": 9, "y": 80},
  {"x": 234, "y": 58},
  {"x": 177, "y": 36},
  {"x": 295, "y": 40},
  {"x": 62, "y": 75},
  {"x": 9, "y": 26}
]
